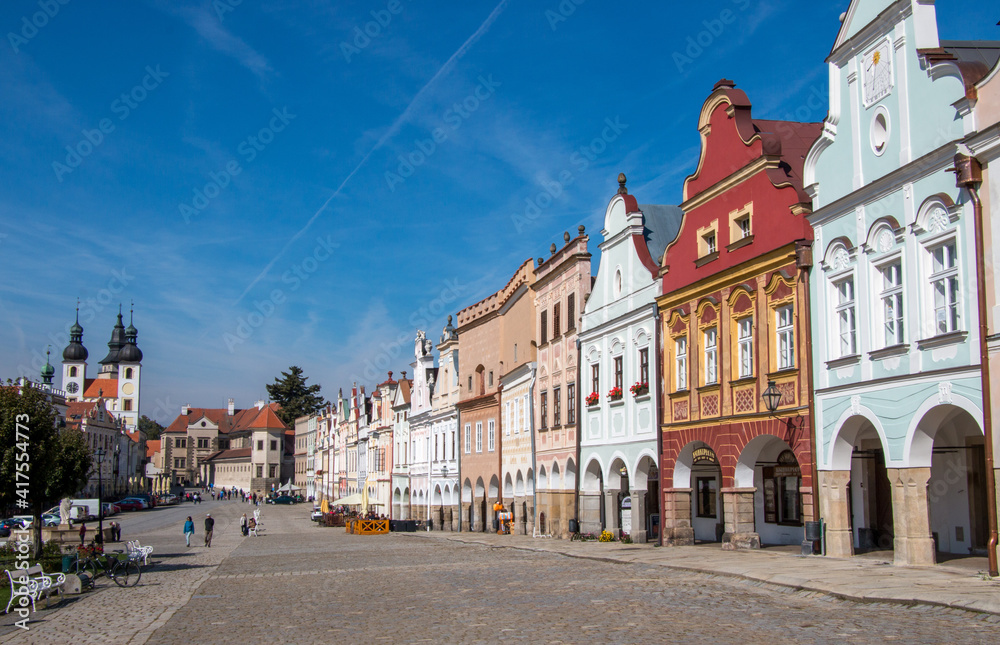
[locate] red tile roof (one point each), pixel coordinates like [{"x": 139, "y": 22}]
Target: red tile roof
[
  {"x": 235, "y": 453},
  {"x": 152, "y": 447},
  {"x": 94, "y": 387},
  {"x": 266, "y": 418},
  {"x": 239, "y": 420}
]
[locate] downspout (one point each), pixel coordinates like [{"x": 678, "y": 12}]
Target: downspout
[
  {"x": 460, "y": 439},
  {"x": 803, "y": 260},
  {"x": 579, "y": 416},
  {"x": 969, "y": 175},
  {"x": 534, "y": 466},
  {"x": 657, "y": 340}
]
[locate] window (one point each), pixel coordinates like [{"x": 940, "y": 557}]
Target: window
[
  {"x": 260, "y": 444},
  {"x": 470, "y": 383},
  {"x": 706, "y": 487},
  {"x": 891, "y": 298},
  {"x": 571, "y": 311},
  {"x": 644, "y": 365},
  {"x": 181, "y": 442},
  {"x": 507, "y": 420},
  {"x": 435, "y": 447},
  {"x": 544, "y": 335},
  {"x": 179, "y": 462},
  {"x": 571, "y": 403},
  {"x": 544, "y": 411},
  {"x": 516, "y": 419},
  {"x": 260, "y": 470},
  {"x": 203, "y": 442},
  {"x": 845, "y": 312},
  {"x": 274, "y": 444},
  {"x": 743, "y": 224},
  {"x": 555, "y": 407},
  {"x": 744, "y": 336},
  {"x": 785, "y": 328},
  {"x": 479, "y": 436},
  {"x": 491, "y": 378},
  {"x": 595, "y": 378},
  {"x": 711, "y": 357},
  {"x": 555, "y": 320},
  {"x": 492, "y": 432},
  {"x": 681, "y": 361},
  {"x": 126, "y": 404},
  {"x": 944, "y": 283},
  {"x": 272, "y": 470},
  {"x": 128, "y": 372},
  {"x": 515, "y": 352},
  {"x": 72, "y": 371},
  {"x": 619, "y": 378}
]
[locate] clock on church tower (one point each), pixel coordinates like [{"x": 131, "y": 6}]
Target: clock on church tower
[{"x": 877, "y": 73}]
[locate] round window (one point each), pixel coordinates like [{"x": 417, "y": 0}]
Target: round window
[{"x": 880, "y": 131}]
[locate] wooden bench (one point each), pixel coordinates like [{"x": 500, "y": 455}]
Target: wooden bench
[{"x": 33, "y": 583}]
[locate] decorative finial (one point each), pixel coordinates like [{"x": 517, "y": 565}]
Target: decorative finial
[
  {"x": 449, "y": 319},
  {"x": 621, "y": 184},
  {"x": 552, "y": 248},
  {"x": 581, "y": 228},
  {"x": 390, "y": 375},
  {"x": 540, "y": 261},
  {"x": 566, "y": 236}
]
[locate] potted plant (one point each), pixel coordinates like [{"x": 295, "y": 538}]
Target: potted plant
[
  {"x": 593, "y": 398},
  {"x": 606, "y": 536},
  {"x": 639, "y": 388},
  {"x": 615, "y": 393}
]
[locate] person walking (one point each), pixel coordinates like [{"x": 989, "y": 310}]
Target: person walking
[
  {"x": 188, "y": 530},
  {"x": 209, "y": 525},
  {"x": 83, "y": 533},
  {"x": 243, "y": 524}
]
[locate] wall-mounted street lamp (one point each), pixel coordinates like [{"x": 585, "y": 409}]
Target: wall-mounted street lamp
[{"x": 772, "y": 397}]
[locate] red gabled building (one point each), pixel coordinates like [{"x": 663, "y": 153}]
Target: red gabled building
[{"x": 734, "y": 322}]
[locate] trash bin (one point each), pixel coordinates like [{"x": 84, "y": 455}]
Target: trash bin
[
  {"x": 67, "y": 563},
  {"x": 574, "y": 526},
  {"x": 814, "y": 531}
]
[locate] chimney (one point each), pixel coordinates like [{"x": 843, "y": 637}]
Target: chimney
[
  {"x": 260, "y": 404},
  {"x": 232, "y": 407},
  {"x": 185, "y": 409}
]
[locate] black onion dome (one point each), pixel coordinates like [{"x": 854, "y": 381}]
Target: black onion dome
[{"x": 75, "y": 351}]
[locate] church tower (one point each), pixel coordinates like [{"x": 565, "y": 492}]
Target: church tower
[
  {"x": 109, "y": 364},
  {"x": 74, "y": 362},
  {"x": 129, "y": 368}
]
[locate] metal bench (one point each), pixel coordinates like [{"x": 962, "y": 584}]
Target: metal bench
[
  {"x": 139, "y": 552},
  {"x": 33, "y": 583}
]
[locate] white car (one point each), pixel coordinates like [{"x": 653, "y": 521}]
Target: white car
[{"x": 317, "y": 514}]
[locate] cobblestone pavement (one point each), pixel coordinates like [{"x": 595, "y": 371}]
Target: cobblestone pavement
[{"x": 300, "y": 583}]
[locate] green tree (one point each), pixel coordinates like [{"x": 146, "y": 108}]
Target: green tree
[
  {"x": 150, "y": 427},
  {"x": 295, "y": 397},
  {"x": 40, "y": 462}
]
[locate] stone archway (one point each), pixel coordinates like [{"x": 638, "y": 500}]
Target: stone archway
[
  {"x": 768, "y": 473},
  {"x": 592, "y": 498}
]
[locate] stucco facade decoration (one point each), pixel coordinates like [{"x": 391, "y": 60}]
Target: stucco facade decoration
[
  {"x": 424, "y": 374},
  {"x": 443, "y": 471},
  {"x": 734, "y": 319},
  {"x": 562, "y": 286},
  {"x": 619, "y": 348},
  {"x": 898, "y": 396},
  {"x": 496, "y": 336},
  {"x": 401, "y": 450}
]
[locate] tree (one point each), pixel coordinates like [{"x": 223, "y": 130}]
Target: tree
[
  {"x": 40, "y": 462},
  {"x": 150, "y": 427},
  {"x": 295, "y": 397}
]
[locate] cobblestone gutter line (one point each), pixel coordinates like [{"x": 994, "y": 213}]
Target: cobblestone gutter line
[{"x": 788, "y": 587}]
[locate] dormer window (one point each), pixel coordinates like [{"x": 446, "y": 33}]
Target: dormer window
[
  {"x": 743, "y": 224},
  {"x": 709, "y": 243}
]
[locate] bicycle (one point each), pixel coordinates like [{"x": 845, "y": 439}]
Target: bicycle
[{"x": 91, "y": 563}]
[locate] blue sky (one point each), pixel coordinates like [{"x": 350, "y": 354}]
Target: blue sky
[{"x": 308, "y": 183}]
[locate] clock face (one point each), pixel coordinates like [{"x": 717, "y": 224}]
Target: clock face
[
  {"x": 72, "y": 388},
  {"x": 878, "y": 73}
]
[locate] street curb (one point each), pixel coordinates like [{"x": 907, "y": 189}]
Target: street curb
[{"x": 777, "y": 586}]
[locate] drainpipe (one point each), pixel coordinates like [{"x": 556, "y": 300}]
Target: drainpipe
[
  {"x": 969, "y": 175},
  {"x": 534, "y": 465},
  {"x": 803, "y": 259},
  {"x": 657, "y": 340},
  {"x": 460, "y": 439},
  {"x": 579, "y": 416}
]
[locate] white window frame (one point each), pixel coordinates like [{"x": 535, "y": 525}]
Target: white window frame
[
  {"x": 479, "y": 436},
  {"x": 468, "y": 438},
  {"x": 946, "y": 306},
  {"x": 890, "y": 297},
  {"x": 846, "y": 316},
  {"x": 491, "y": 435},
  {"x": 744, "y": 341},
  {"x": 681, "y": 362},
  {"x": 784, "y": 330},
  {"x": 710, "y": 342}
]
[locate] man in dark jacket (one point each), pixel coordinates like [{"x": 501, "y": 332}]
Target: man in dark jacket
[{"x": 209, "y": 525}]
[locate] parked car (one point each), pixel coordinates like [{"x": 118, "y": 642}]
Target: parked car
[
  {"x": 146, "y": 497},
  {"x": 50, "y": 519},
  {"x": 281, "y": 499},
  {"x": 111, "y": 509},
  {"x": 8, "y": 525},
  {"x": 130, "y": 504},
  {"x": 317, "y": 514},
  {"x": 168, "y": 499}
]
